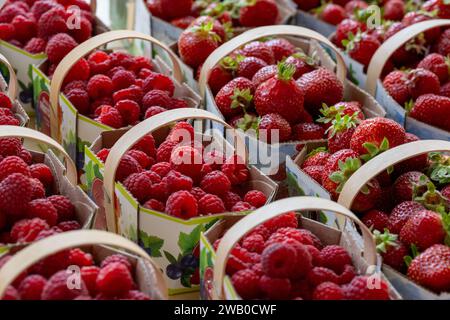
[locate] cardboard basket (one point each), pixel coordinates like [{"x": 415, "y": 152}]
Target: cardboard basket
[
  {"x": 23, "y": 61},
  {"x": 375, "y": 86},
  {"x": 167, "y": 238},
  {"x": 101, "y": 245},
  {"x": 60, "y": 119},
  {"x": 65, "y": 175},
  {"x": 407, "y": 288},
  {"x": 10, "y": 89},
  {"x": 310, "y": 45},
  {"x": 217, "y": 285}
]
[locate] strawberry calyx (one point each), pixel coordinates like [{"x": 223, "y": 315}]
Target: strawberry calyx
[
  {"x": 329, "y": 113},
  {"x": 409, "y": 105},
  {"x": 385, "y": 240},
  {"x": 316, "y": 151},
  {"x": 309, "y": 60},
  {"x": 346, "y": 170},
  {"x": 351, "y": 41},
  {"x": 417, "y": 44},
  {"x": 286, "y": 71},
  {"x": 341, "y": 124},
  {"x": 374, "y": 150},
  {"x": 439, "y": 170},
  {"x": 431, "y": 198},
  {"x": 414, "y": 253},
  {"x": 231, "y": 63},
  {"x": 318, "y": 11},
  {"x": 248, "y": 122},
  {"x": 241, "y": 99},
  {"x": 206, "y": 30}
]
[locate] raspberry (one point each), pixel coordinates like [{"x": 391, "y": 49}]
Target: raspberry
[
  {"x": 11, "y": 294},
  {"x": 275, "y": 288},
  {"x": 37, "y": 189},
  {"x": 69, "y": 225},
  {"x": 358, "y": 289},
  {"x": 43, "y": 173},
  {"x": 242, "y": 206},
  {"x": 9, "y": 12},
  {"x": 129, "y": 110},
  {"x": 347, "y": 275},
  {"x": 47, "y": 233},
  {"x": 15, "y": 193},
  {"x": 103, "y": 154},
  {"x": 80, "y": 258},
  {"x": 210, "y": 204},
  {"x": 277, "y": 260},
  {"x": 13, "y": 164},
  {"x": 246, "y": 283},
  {"x": 139, "y": 185},
  {"x": 155, "y": 205},
  {"x": 236, "y": 170},
  {"x": 198, "y": 193},
  {"x": 117, "y": 258},
  {"x": 25, "y": 28},
  {"x": 127, "y": 166},
  {"x": 319, "y": 275},
  {"x": 328, "y": 291},
  {"x": 261, "y": 230},
  {"x": 288, "y": 220},
  {"x": 99, "y": 86},
  {"x": 77, "y": 84},
  {"x": 182, "y": 204},
  {"x": 100, "y": 62},
  {"x": 10, "y": 147},
  {"x": 26, "y": 156},
  {"x": 59, "y": 46},
  {"x": 147, "y": 145},
  {"x": 42, "y": 6},
  {"x": 83, "y": 32},
  {"x": 122, "y": 59},
  {"x": 254, "y": 243},
  {"x": 181, "y": 132},
  {"x": 315, "y": 240},
  {"x": 158, "y": 81},
  {"x": 161, "y": 168},
  {"x": 160, "y": 191},
  {"x": 154, "y": 177},
  {"x": 214, "y": 158},
  {"x": 80, "y": 71},
  {"x": 113, "y": 71},
  {"x": 35, "y": 46},
  {"x": 186, "y": 160},
  {"x": 314, "y": 253},
  {"x": 112, "y": 118},
  {"x": 177, "y": 181},
  {"x": 230, "y": 199},
  {"x": 335, "y": 258},
  {"x": 5, "y": 101},
  {"x": 165, "y": 150},
  {"x": 136, "y": 295},
  {"x": 255, "y": 198},
  {"x": 114, "y": 279},
  {"x": 144, "y": 73},
  {"x": 27, "y": 230},
  {"x": 43, "y": 209},
  {"x": 123, "y": 79},
  {"x": 6, "y": 31},
  {"x": 142, "y": 158},
  {"x": 89, "y": 276},
  {"x": 132, "y": 93},
  {"x": 31, "y": 287},
  {"x": 80, "y": 100},
  {"x": 292, "y": 233},
  {"x": 156, "y": 98},
  {"x": 9, "y": 121},
  {"x": 141, "y": 63},
  {"x": 64, "y": 207},
  {"x": 153, "y": 111},
  {"x": 216, "y": 183},
  {"x": 56, "y": 288}
]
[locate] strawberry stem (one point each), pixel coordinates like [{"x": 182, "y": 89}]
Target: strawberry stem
[{"x": 286, "y": 71}]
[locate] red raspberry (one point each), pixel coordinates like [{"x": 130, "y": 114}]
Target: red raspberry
[
  {"x": 127, "y": 167},
  {"x": 35, "y": 45},
  {"x": 156, "y": 98},
  {"x": 114, "y": 70},
  {"x": 15, "y": 193},
  {"x": 261, "y": 230},
  {"x": 6, "y": 31},
  {"x": 24, "y": 27},
  {"x": 277, "y": 260},
  {"x": 347, "y": 275},
  {"x": 80, "y": 71},
  {"x": 246, "y": 283},
  {"x": 59, "y": 46},
  {"x": 153, "y": 111},
  {"x": 198, "y": 193},
  {"x": 141, "y": 62},
  {"x": 161, "y": 168},
  {"x": 100, "y": 62},
  {"x": 117, "y": 258},
  {"x": 9, "y": 121},
  {"x": 114, "y": 280},
  {"x": 112, "y": 118},
  {"x": 230, "y": 199},
  {"x": 56, "y": 288},
  {"x": 27, "y": 230},
  {"x": 140, "y": 156},
  {"x": 99, "y": 86},
  {"x": 103, "y": 154},
  {"x": 255, "y": 198},
  {"x": 129, "y": 110},
  {"x": 316, "y": 241},
  {"x": 177, "y": 181},
  {"x": 11, "y": 294},
  {"x": 51, "y": 23},
  {"x": 358, "y": 289},
  {"x": 186, "y": 160},
  {"x": 182, "y": 132},
  {"x": 37, "y": 189},
  {"x": 182, "y": 204},
  {"x": 43, "y": 173},
  {"x": 48, "y": 233},
  {"x": 291, "y": 233},
  {"x": 155, "y": 205},
  {"x": 254, "y": 243},
  {"x": 10, "y": 147},
  {"x": 26, "y": 156},
  {"x": 42, "y": 6},
  {"x": 51, "y": 264},
  {"x": 328, "y": 291},
  {"x": 165, "y": 150},
  {"x": 288, "y": 220},
  {"x": 160, "y": 191},
  {"x": 65, "y": 208},
  {"x": 76, "y": 84},
  {"x": 216, "y": 183},
  {"x": 319, "y": 275},
  {"x": 178, "y": 104},
  {"x": 154, "y": 177},
  {"x": 236, "y": 170},
  {"x": 210, "y": 204},
  {"x": 89, "y": 276},
  {"x": 69, "y": 225},
  {"x": 275, "y": 288},
  {"x": 147, "y": 145},
  {"x": 80, "y": 100},
  {"x": 144, "y": 73},
  {"x": 5, "y": 102},
  {"x": 83, "y": 32},
  {"x": 139, "y": 185},
  {"x": 13, "y": 164},
  {"x": 122, "y": 59},
  {"x": 43, "y": 209},
  {"x": 77, "y": 257},
  {"x": 159, "y": 81},
  {"x": 242, "y": 206},
  {"x": 136, "y": 295},
  {"x": 123, "y": 79},
  {"x": 31, "y": 287},
  {"x": 314, "y": 253},
  {"x": 132, "y": 93},
  {"x": 335, "y": 258}
]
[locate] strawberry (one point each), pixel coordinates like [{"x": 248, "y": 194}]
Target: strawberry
[
  {"x": 437, "y": 64},
  {"x": 307, "y": 5},
  {"x": 249, "y": 66},
  {"x": 281, "y": 94},
  {"x": 183, "y": 23},
  {"x": 394, "y": 10},
  {"x": 354, "y": 5},
  {"x": 392, "y": 251},
  {"x": 218, "y": 78},
  {"x": 414, "y": 164},
  {"x": 321, "y": 86},
  {"x": 445, "y": 90},
  {"x": 235, "y": 97},
  {"x": 308, "y": 131},
  {"x": 259, "y": 50},
  {"x": 361, "y": 47},
  {"x": 256, "y": 13},
  {"x": 328, "y": 114},
  {"x": 331, "y": 13},
  {"x": 421, "y": 81},
  {"x": 396, "y": 86},
  {"x": 264, "y": 74},
  {"x": 281, "y": 48},
  {"x": 274, "y": 128},
  {"x": 441, "y": 6},
  {"x": 423, "y": 229},
  {"x": 217, "y": 28},
  {"x": 408, "y": 183},
  {"x": 431, "y": 35},
  {"x": 314, "y": 172},
  {"x": 317, "y": 157},
  {"x": 443, "y": 44},
  {"x": 431, "y": 268},
  {"x": 345, "y": 28},
  {"x": 433, "y": 110},
  {"x": 446, "y": 191},
  {"x": 375, "y": 219},
  {"x": 303, "y": 63},
  {"x": 401, "y": 213},
  {"x": 341, "y": 132},
  {"x": 172, "y": 9}
]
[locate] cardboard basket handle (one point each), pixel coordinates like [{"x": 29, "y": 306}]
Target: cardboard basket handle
[
  {"x": 387, "y": 49},
  {"x": 258, "y": 33},
  {"x": 21, "y": 132},
  {"x": 138, "y": 132},
  {"x": 246, "y": 224},
  {"x": 89, "y": 45},
  {"x": 32, "y": 254},
  {"x": 12, "y": 85},
  {"x": 380, "y": 163}
]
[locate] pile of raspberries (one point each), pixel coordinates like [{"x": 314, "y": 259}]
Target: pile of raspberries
[
  {"x": 279, "y": 261},
  {"x": 6, "y": 115},
  {"x": 30, "y": 209},
  {"x": 183, "y": 180},
  {"x": 110, "y": 279}
]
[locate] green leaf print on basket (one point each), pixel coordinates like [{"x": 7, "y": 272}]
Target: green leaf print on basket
[{"x": 151, "y": 244}]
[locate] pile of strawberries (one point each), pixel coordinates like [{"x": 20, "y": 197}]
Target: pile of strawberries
[
  {"x": 234, "y": 13},
  {"x": 118, "y": 89},
  {"x": 29, "y": 207},
  {"x": 33, "y": 25},
  {"x": 6, "y": 115},
  {"x": 184, "y": 179},
  {"x": 110, "y": 279},
  {"x": 279, "y": 261}
]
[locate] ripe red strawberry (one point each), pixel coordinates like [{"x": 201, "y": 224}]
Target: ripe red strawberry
[
  {"x": 423, "y": 229},
  {"x": 259, "y": 50},
  {"x": 344, "y": 29},
  {"x": 249, "y": 66},
  {"x": 421, "y": 81},
  {"x": 264, "y": 74},
  {"x": 258, "y": 13},
  {"x": 396, "y": 86},
  {"x": 280, "y": 94},
  {"x": 432, "y": 109},
  {"x": 437, "y": 64},
  {"x": 443, "y": 44},
  {"x": 394, "y": 10},
  {"x": 362, "y": 47},
  {"x": 431, "y": 268},
  {"x": 235, "y": 97},
  {"x": 375, "y": 219},
  {"x": 172, "y": 9},
  {"x": 341, "y": 131},
  {"x": 445, "y": 90},
  {"x": 314, "y": 172},
  {"x": 320, "y": 86},
  {"x": 308, "y": 131},
  {"x": 401, "y": 213},
  {"x": 281, "y": 48},
  {"x": 218, "y": 78},
  {"x": 307, "y": 5},
  {"x": 413, "y": 164},
  {"x": 317, "y": 157},
  {"x": 274, "y": 128},
  {"x": 392, "y": 250},
  {"x": 406, "y": 183},
  {"x": 446, "y": 191},
  {"x": 332, "y": 13},
  {"x": 303, "y": 63}
]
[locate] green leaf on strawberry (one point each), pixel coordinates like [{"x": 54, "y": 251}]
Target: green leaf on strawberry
[
  {"x": 316, "y": 151},
  {"x": 414, "y": 253},
  {"x": 341, "y": 124},
  {"x": 431, "y": 199},
  {"x": 385, "y": 240},
  {"x": 346, "y": 169},
  {"x": 374, "y": 150},
  {"x": 241, "y": 99}
]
